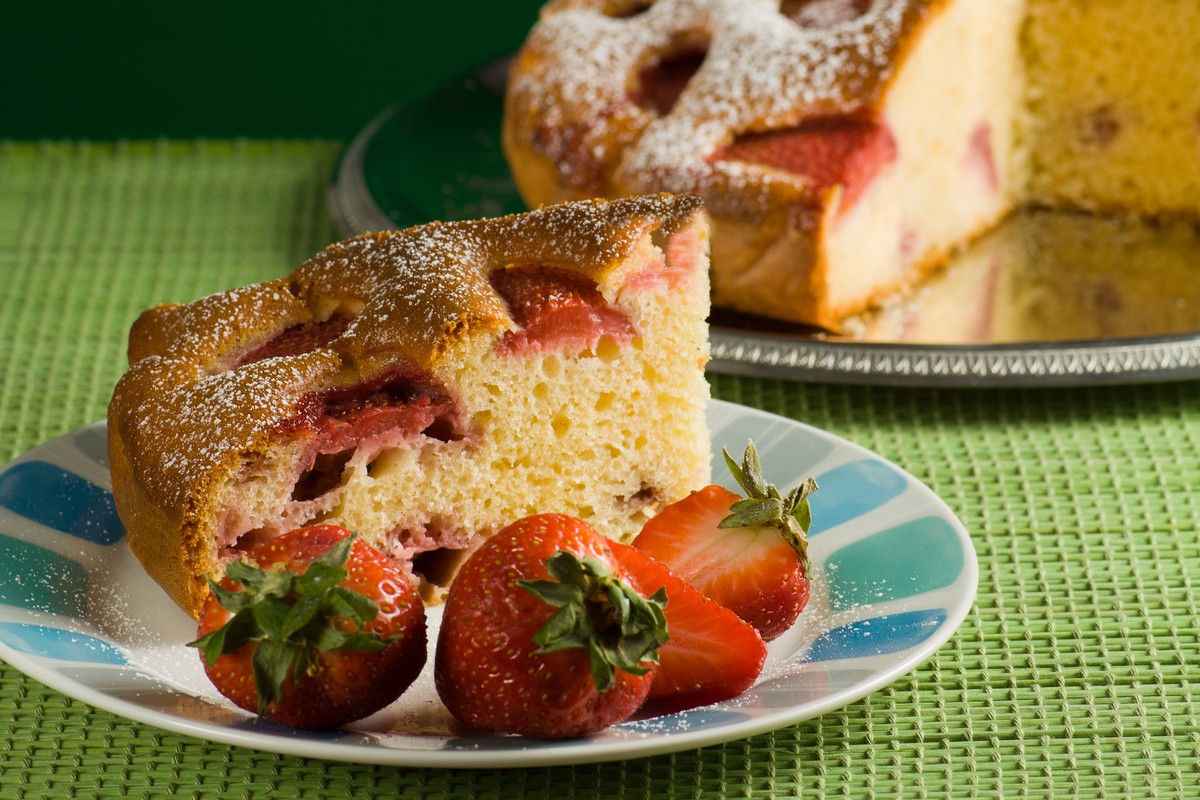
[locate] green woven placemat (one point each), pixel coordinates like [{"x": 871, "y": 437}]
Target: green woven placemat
[{"x": 1074, "y": 675}]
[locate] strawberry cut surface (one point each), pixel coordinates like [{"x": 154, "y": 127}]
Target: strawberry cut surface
[
  {"x": 556, "y": 309},
  {"x": 753, "y": 571},
  {"x": 710, "y": 654},
  {"x": 829, "y": 151}
]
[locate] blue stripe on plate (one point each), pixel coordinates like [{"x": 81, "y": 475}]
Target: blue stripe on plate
[
  {"x": 51, "y": 496},
  {"x": 877, "y": 636},
  {"x": 909, "y": 559},
  {"x": 851, "y": 490},
  {"x": 56, "y": 643},
  {"x": 38, "y": 579}
]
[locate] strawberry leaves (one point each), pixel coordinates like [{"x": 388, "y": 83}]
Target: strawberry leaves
[
  {"x": 620, "y": 629},
  {"x": 764, "y": 505},
  {"x": 290, "y": 617}
]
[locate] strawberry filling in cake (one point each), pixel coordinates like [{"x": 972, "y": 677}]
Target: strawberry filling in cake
[
  {"x": 553, "y": 309},
  {"x": 827, "y": 152},
  {"x": 557, "y": 309},
  {"x": 298, "y": 339},
  {"x": 660, "y": 84}
]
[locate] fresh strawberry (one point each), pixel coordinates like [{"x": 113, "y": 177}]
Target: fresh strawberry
[
  {"x": 543, "y": 636},
  {"x": 749, "y": 554},
  {"x": 313, "y": 629},
  {"x": 710, "y": 655}
]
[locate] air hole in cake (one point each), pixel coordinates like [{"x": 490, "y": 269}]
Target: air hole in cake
[
  {"x": 324, "y": 475},
  {"x": 643, "y": 498},
  {"x": 823, "y": 13},
  {"x": 375, "y": 467},
  {"x": 827, "y": 151},
  {"x": 482, "y": 420},
  {"x": 561, "y": 425},
  {"x": 607, "y": 350},
  {"x": 661, "y": 82},
  {"x": 1099, "y": 127},
  {"x": 556, "y": 309},
  {"x": 297, "y": 340}
]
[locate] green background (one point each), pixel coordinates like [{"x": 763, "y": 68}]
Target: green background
[{"x": 141, "y": 69}]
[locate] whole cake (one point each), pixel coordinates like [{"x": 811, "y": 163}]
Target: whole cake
[
  {"x": 845, "y": 148},
  {"x": 423, "y": 388}
]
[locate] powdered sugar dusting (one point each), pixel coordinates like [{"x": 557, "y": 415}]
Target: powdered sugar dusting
[{"x": 763, "y": 71}]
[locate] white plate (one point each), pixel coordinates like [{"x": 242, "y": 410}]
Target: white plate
[{"x": 894, "y": 575}]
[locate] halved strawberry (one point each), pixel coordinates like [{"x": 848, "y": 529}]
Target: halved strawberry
[
  {"x": 748, "y": 554},
  {"x": 710, "y": 653}
]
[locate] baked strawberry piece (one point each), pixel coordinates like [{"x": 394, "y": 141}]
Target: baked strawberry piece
[
  {"x": 827, "y": 152},
  {"x": 710, "y": 653}
]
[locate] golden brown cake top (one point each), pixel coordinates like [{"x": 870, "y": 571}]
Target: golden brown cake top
[
  {"x": 766, "y": 65},
  {"x": 202, "y": 393}
]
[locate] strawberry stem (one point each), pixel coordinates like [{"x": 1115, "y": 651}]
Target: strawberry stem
[
  {"x": 620, "y": 629},
  {"x": 764, "y": 505}
]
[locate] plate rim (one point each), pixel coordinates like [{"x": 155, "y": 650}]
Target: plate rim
[
  {"x": 1051, "y": 363},
  {"x": 576, "y": 752}
]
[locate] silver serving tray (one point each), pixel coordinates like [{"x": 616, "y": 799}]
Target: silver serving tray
[{"x": 1049, "y": 298}]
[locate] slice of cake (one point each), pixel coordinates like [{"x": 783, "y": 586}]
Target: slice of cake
[{"x": 423, "y": 388}]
